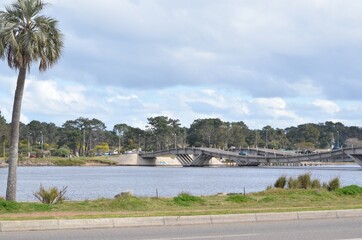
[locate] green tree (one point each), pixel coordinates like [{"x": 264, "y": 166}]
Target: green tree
[
  {"x": 102, "y": 148},
  {"x": 204, "y": 132},
  {"x": 25, "y": 37},
  {"x": 4, "y": 134},
  {"x": 166, "y": 131}
]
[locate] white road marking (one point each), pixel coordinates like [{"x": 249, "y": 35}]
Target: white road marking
[
  {"x": 209, "y": 237},
  {"x": 352, "y": 239}
]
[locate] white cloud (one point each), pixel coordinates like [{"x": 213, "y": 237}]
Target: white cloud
[
  {"x": 257, "y": 61},
  {"x": 305, "y": 88},
  {"x": 47, "y": 97},
  {"x": 274, "y": 107},
  {"x": 327, "y": 106}
]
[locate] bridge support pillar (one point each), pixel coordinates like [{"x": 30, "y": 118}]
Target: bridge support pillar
[{"x": 357, "y": 158}]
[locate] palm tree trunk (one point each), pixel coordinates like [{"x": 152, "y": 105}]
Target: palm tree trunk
[{"x": 14, "y": 138}]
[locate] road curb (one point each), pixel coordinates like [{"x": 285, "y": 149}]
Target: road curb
[{"x": 38, "y": 225}]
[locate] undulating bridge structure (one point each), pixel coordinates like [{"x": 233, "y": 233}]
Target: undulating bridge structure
[{"x": 198, "y": 157}]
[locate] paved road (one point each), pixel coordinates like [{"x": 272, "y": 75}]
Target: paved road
[{"x": 332, "y": 229}]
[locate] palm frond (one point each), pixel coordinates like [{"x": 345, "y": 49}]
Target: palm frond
[{"x": 26, "y": 36}]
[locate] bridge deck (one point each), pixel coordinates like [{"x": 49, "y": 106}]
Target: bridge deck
[{"x": 265, "y": 156}]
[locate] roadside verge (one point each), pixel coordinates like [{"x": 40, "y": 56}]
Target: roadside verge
[{"x": 37, "y": 225}]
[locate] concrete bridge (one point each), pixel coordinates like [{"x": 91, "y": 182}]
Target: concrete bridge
[{"x": 199, "y": 157}]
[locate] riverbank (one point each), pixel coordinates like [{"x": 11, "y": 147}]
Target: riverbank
[{"x": 273, "y": 200}]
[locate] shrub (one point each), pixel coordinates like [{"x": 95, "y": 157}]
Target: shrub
[
  {"x": 51, "y": 195},
  {"x": 185, "y": 199},
  {"x": 334, "y": 184},
  {"x": 305, "y": 181},
  {"x": 237, "y": 198},
  {"x": 293, "y": 183},
  {"x": 316, "y": 184},
  {"x": 280, "y": 182},
  {"x": 61, "y": 152},
  {"x": 350, "y": 190}
]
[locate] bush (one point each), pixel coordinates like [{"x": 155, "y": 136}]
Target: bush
[
  {"x": 51, "y": 195},
  {"x": 305, "y": 181},
  {"x": 334, "y": 184},
  {"x": 280, "y": 182},
  {"x": 293, "y": 183},
  {"x": 61, "y": 152},
  {"x": 316, "y": 184},
  {"x": 238, "y": 198},
  {"x": 350, "y": 190},
  {"x": 185, "y": 199}
]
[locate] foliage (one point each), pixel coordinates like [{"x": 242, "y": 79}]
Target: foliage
[
  {"x": 350, "y": 190},
  {"x": 26, "y": 37},
  {"x": 51, "y": 195},
  {"x": 334, "y": 184},
  {"x": 238, "y": 198},
  {"x": 128, "y": 202},
  {"x": 61, "y": 152},
  {"x": 82, "y": 135},
  {"x": 102, "y": 147},
  {"x": 316, "y": 184},
  {"x": 9, "y": 206},
  {"x": 185, "y": 199},
  {"x": 280, "y": 182},
  {"x": 69, "y": 162},
  {"x": 274, "y": 200},
  {"x": 305, "y": 181},
  {"x": 293, "y": 183}
]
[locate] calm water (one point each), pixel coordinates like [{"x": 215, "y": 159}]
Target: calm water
[{"x": 97, "y": 182}]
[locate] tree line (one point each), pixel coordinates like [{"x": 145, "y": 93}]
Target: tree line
[{"x": 87, "y": 137}]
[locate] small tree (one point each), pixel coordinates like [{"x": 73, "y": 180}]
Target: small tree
[{"x": 102, "y": 147}]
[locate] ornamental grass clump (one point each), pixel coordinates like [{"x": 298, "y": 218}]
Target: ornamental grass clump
[
  {"x": 51, "y": 196},
  {"x": 316, "y": 184},
  {"x": 305, "y": 181},
  {"x": 280, "y": 182},
  {"x": 293, "y": 183},
  {"x": 334, "y": 184}
]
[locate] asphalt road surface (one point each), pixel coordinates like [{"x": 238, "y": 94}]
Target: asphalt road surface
[{"x": 331, "y": 229}]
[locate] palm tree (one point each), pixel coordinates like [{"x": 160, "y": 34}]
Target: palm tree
[{"x": 25, "y": 37}]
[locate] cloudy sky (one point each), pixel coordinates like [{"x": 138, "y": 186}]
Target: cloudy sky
[{"x": 275, "y": 62}]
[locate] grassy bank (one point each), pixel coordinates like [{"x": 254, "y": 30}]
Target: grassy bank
[
  {"x": 60, "y": 161},
  {"x": 272, "y": 200}
]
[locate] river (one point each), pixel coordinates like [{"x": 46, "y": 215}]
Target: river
[{"x": 105, "y": 182}]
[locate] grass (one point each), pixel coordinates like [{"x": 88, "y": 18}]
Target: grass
[
  {"x": 76, "y": 161},
  {"x": 273, "y": 200}
]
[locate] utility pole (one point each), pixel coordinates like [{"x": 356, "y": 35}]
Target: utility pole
[
  {"x": 84, "y": 142},
  {"x": 119, "y": 144},
  {"x": 139, "y": 142},
  {"x": 175, "y": 140},
  {"x": 42, "y": 144}
]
